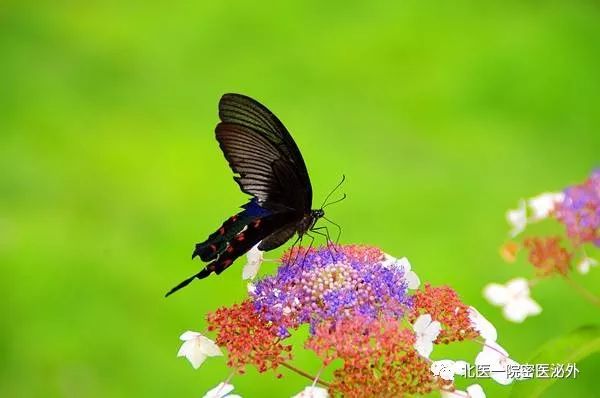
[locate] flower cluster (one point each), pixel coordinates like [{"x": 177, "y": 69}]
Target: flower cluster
[
  {"x": 363, "y": 320},
  {"x": 577, "y": 209},
  {"x": 379, "y": 359},
  {"x": 445, "y": 306},
  {"x": 248, "y": 338},
  {"x": 330, "y": 285}
]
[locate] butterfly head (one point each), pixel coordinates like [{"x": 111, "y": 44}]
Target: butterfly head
[{"x": 317, "y": 213}]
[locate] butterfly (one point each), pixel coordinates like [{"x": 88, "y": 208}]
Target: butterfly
[{"x": 268, "y": 166}]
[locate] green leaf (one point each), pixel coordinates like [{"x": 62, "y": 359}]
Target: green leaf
[{"x": 569, "y": 348}]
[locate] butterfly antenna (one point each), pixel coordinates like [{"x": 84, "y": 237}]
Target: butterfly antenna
[
  {"x": 334, "y": 189},
  {"x": 335, "y": 201}
]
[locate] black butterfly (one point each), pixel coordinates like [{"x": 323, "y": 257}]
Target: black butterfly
[{"x": 269, "y": 167}]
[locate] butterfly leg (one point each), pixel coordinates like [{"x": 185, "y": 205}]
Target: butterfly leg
[
  {"x": 312, "y": 240},
  {"x": 298, "y": 239},
  {"x": 330, "y": 243},
  {"x": 339, "y": 228},
  {"x": 328, "y": 240}
]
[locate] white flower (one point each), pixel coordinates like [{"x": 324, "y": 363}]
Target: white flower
[
  {"x": 585, "y": 264},
  {"x": 482, "y": 325},
  {"x": 312, "y": 392},
  {"x": 251, "y": 287},
  {"x": 544, "y": 203},
  {"x": 196, "y": 348},
  {"x": 426, "y": 332},
  {"x": 517, "y": 218},
  {"x": 473, "y": 391},
  {"x": 410, "y": 276},
  {"x": 513, "y": 298},
  {"x": 496, "y": 357},
  {"x": 255, "y": 259},
  {"x": 447, "y": 368},
  {"x": 221, "y": 391}
]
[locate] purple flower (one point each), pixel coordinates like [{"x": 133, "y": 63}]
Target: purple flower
[
  {"x": 331, "y": 284},
  {"x": 580, "y": 210}
]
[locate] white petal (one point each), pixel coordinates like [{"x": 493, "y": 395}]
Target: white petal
[
  {"x": 497, "y": 359},
  {"x": 192, "y": 352},
  {"x": 189, "y": 335},
  {"x": 404, "y": 264},
  {"x": 208, "y": 347},
  {"x": 496, "y": 294},
  {"x": 421, "y": 323},
  {"x": 255, "y": 259},
  {"x": 485, "y": 357},
  {"x": 517, "y": 218},
  {"x": 433, "y": 330},
  {"x": 491, "y": 354},
  {"x": 220, "y": 391},
  {"x": 423, "y": 347},
  {"x": 312, "y": 392},
  {"x": 514, "y": 313},
  {"x": 475, "y": 391},
  {"x": 197, "y": 348},
  {"x": 518, "y": 287},
  {"x": 530, "y": 306},
  {"x": 518, "y": 310},
  {"x": 544, "y": 203},
  {"x": 496, "y": 349},
  {"x": 250, "y": 270},
  {"x": 255, "y": 255},
  {"x": 251, "y": 287},
  {"x": 585, "y": 264},
  {"x": 388, "y": 261},
  {"x": 413, "y": 280},
  {"x": 482, "y": 325}
]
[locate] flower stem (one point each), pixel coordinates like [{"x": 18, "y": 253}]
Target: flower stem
[
  {"x": 589, "y": 296},
  {"x": 303, "y": 373}
]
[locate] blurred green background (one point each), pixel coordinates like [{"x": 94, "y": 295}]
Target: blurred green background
[{"x": 441, "y": 115}]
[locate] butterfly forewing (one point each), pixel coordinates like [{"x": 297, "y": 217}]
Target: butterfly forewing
[{"x": 236, "y": 109}]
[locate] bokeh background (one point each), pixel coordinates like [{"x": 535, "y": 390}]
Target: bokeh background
[{"x": 441, "y": 115}]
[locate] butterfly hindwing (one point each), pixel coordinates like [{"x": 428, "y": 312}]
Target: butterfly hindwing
[
  {"x": 241, "y": 243},
  {"x": 278, "y": 238},
  {"x": 216, "y": 243}
]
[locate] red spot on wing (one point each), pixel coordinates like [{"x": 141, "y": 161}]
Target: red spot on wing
[
  {"x": 256, "y": 223},
  {"x": 229, "y": 249},
  {"x": 213, "y": 248},
  {"x": 233, "y": 218},
  {"x": 222, "y": 231},
  {"x": 240, "y": 237}
]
